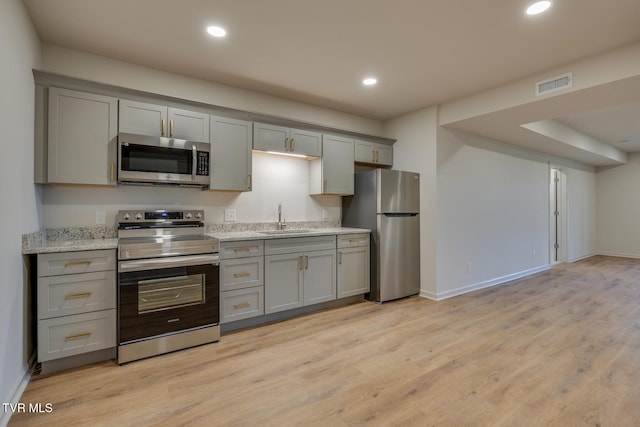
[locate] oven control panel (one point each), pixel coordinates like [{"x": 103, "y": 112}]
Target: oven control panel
[{"x": 160, "y": 215}]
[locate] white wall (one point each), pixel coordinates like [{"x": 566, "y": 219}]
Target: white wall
[
  {"x": 581, "y": 213},
  {"x": 415, "y": 151},
  {"x": 618, "y": 209},
  {"x": 274, "y": 179},
  {"x": 493, "y": 212},
  {"x": 100, "y": 69},
  {"x": 20, "y": 52}
]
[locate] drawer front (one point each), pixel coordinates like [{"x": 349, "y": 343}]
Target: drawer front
[
  {"x": 76, "y": 294},
  {"x": 55, "y": 264},
  {"x": 241, "y": 304},
  {"x": 241, "y": 249},
  {"x": 353, "y": 240},
  {"x": 71, "y": 335},
  {"x": 299, "y": 244},
  {"x": 241, "y": 273}
]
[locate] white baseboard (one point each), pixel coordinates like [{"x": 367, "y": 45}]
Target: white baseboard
[
  {"x": 482, "y": 285},
  {"x": 619, "y": 254},
  {"x": 18, "y": 389},
  {"x": 583, "y": 257}
]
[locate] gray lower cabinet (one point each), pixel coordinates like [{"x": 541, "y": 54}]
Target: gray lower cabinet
[
  {"x": 299, "y": 272},
  {"x": 353, "y": 265},
  {"x": 76, "y": 306},
  {"x": 241, "y": 280}
]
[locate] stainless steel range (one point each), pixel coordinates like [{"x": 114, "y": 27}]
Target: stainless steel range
[{"x": 168, "y": 286}]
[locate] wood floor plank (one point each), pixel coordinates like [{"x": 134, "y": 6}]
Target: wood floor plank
[{"x": 559, "y": 348}]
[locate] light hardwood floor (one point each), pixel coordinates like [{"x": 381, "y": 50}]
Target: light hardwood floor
[{"x": 560, "y": 348}]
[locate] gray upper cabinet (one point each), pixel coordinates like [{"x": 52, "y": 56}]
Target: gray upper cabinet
[
  {"x": 333, "y": 173},
  {"x": 374, "y": 153},
  {"x": 286, "y": 140},
  {"x": 81, "y": 138},
  {"x": 159, "y": 120},
  {"x": 231, "y": 143}
]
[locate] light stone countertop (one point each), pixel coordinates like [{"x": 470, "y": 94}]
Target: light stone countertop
[
  {"x": 231, "y": 236},
  {"x": 45, "y": 247}
]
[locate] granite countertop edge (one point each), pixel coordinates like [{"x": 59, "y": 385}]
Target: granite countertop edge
[
  {"x": 47, "y": 247},
  {"x": 52, "y": 246},
  {"x": 230, "y": 236}
]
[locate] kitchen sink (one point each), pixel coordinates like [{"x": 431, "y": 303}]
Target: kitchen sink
[{"x": 283, "y": 231}]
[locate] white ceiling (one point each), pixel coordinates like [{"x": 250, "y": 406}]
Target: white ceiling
[{"x": 423, "y": 52}]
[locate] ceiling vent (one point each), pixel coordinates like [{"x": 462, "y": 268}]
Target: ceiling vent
[{"x": 554, "y": 84}]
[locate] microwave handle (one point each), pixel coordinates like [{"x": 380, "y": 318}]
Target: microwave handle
[{"x": 194, "y": 161}]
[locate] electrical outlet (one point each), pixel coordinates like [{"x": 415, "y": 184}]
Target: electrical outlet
[
  {"x": 101, "y": 217},
  {"x": 468, "y": 267},
  {"x": 229, "y": 215},
  {"x": 325, "y": 214}
]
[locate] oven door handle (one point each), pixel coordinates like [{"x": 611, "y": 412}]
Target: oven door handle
[{"x": 168, "y": 262}]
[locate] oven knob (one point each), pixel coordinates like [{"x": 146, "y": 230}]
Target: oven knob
[
  {"x": 198, "y": 215},
  {"x": 138, "y": 215},
  {"x": 188, "y": 215},
  {"x": 126, "y": 216}
]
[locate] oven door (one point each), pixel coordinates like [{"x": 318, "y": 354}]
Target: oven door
[{"x": 166, "y": 295}]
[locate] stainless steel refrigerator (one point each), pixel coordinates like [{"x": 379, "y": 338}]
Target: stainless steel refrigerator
[{"x": 388, "y": 202}]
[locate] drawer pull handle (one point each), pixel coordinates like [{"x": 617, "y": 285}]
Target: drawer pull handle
[
  {"x": 243, "y": 274},
  {"x": 75, "y": 337},
  {"x": 70, "y": 263},
  {"x": 355, "y": 240},
  {"x": 241, "y": 250},
  {"x": 242, "y": 305},
  {"x": 78, "y": 295}
]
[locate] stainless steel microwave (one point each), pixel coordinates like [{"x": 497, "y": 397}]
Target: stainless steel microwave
[{"x": 164, "y": 161}]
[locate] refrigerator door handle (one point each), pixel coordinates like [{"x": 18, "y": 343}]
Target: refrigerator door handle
[{"x": 403, "y": 214}]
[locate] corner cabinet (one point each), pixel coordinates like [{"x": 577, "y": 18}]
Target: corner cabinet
[
  {"x": 162, "y": 121},
  {"x": 286, "y": 140},
  {"x": 81, "y": 138},
  {"x": 373, "y": 153},
  {"x": 333, "y": 173},
  {"x": 231, "y": 144},
  {"x": 76, "y": 308},
  {"x": 299, "y": 272},
  {"x": 353, "y": 265}
]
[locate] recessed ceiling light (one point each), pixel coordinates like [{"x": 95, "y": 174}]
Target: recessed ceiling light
[
  {"x": 538, "y": 7},
  {"x": 216, "y": 31},
  {"x": 369, "y": 81}
]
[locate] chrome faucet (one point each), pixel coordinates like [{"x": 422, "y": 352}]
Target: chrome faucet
[{"x": 281, "y": 225}]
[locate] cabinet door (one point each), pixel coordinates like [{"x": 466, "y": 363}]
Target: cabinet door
[
  {"x": 142, "y": 118},
  {"x": 283, "y": 282},
  {"x": 306, "y": 142},
  {"x": 363, "y": 151},
  {"x": 231, "y": 142},
  {"x": 189, "y": 125},
  {"x": 82, "y": 134},
  {"x": 319, "y": 276},
  {"x": 270, "y": 137},
  {"x": 353, "y": 271},
  {"x": 337, "y": 165},
  {"x": 384, "y": 154}
]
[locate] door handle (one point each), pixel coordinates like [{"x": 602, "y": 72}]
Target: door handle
[
  {"x": 162, "y": 127},
  {"x": 306, "y": 262},
  {"x": 171, "y": 128}
]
